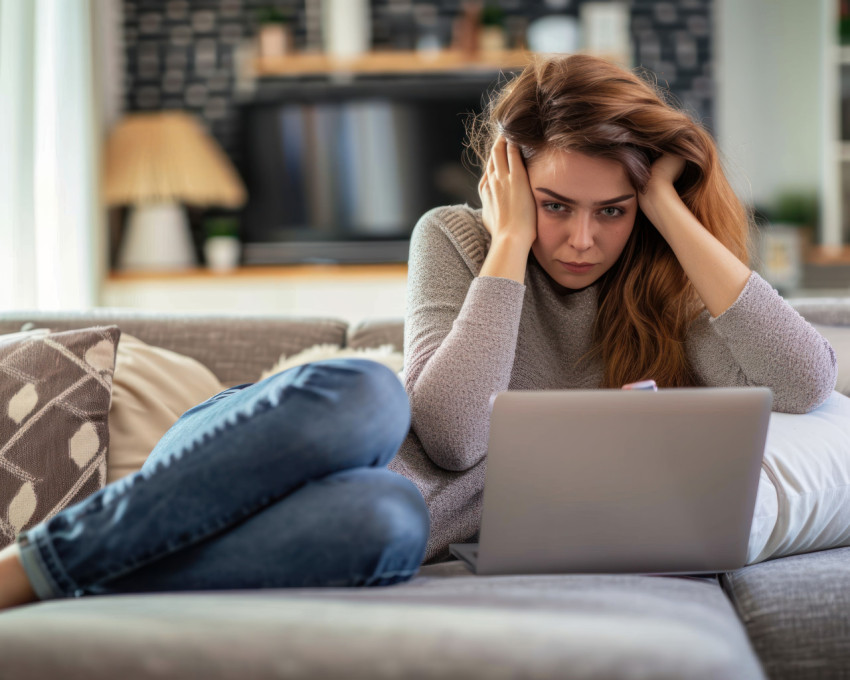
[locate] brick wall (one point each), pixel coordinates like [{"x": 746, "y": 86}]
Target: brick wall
[{"x": 181, "y": 53}]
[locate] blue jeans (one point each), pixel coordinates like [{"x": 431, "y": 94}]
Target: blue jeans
[{"x": 273, "y": 485}]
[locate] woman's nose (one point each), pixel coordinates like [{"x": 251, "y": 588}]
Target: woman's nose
[{"x": 581, "y": 235}]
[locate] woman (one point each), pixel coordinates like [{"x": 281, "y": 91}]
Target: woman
[
  {"x": 273, "y": 485},
  {"x": 610, "y": 249}
]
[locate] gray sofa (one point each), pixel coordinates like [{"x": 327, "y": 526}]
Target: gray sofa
[{"x": 788, "y": 618}]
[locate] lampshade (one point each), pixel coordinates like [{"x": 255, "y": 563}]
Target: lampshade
[{"x": 167, "y": 156}]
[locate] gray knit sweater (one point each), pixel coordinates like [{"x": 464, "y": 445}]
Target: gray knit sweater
[{"x": 468, "y": 337}]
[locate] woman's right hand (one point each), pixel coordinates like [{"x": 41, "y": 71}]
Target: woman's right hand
[{"x": 508, "y": 209}]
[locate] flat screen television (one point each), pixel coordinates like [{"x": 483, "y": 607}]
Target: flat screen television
[{"x": 343, "y": 173}]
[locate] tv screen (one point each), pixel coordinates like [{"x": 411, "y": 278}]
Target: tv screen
[{"x": 343, "y": 174}]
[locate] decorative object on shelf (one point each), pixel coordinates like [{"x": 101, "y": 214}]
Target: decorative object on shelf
[
  {"x": 783, "y": 239},
  {"x": 222, "y": 248},
  {"x": 780, "y": 247},
  {"x": 154, "y": 162},
  {"x": 466, "y": 29},
  {"x": 844, "y": 22},
  {"x": 555, "y": 33},
  {"x": 428, "y": 30},
  {"x": 605, "y": 31},
  {"x": 274, "y": 38},
  {"x": 492, "y": 28},
  {"x": 346, "y": 27}
]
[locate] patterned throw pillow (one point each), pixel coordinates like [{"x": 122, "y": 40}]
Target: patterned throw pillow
[{"x": 55, "y": 390}]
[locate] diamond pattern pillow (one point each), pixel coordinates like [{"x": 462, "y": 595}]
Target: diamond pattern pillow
[{"x": 55, "y": 390}]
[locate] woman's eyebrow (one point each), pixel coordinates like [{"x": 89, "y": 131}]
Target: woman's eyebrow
[{"x": 564, "y": 199}]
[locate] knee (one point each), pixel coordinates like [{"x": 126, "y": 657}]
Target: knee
[
  {"x": 365, "y": 380},
  {"x": 395, "y": 519},
  {"x": 364, "y": 386}
]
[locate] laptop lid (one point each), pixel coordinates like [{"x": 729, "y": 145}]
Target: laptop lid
[{"x": 622, "y": 481}]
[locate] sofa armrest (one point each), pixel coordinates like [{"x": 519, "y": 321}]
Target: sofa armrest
[{"x": 823, "y": 311}]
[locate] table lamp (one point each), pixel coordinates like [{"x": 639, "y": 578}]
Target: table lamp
[{"x": 155, "y": 162}]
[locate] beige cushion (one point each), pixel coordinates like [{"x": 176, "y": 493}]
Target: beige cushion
[
  {"x": 385, "y": 354},
  {"x": 152, "y": 388},
  {"x": 54, "y": 399}
]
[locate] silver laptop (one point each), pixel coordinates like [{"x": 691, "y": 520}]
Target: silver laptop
[{"x": 589, "y": 481}]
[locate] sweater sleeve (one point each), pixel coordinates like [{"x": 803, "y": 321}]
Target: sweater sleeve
[
  {"x": 762, "y": 341},
  {"x": 460, "y": 340}
]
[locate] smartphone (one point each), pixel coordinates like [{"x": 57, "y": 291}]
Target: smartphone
[{"x": 642, "y": 385}]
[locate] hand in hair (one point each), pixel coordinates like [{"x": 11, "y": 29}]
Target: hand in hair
[
  {"x": 509, "y": 212},
  {"x": 717, "y": 275},
  {"x": 508, "y": 204},
  {"x": 665, "y": 171}
]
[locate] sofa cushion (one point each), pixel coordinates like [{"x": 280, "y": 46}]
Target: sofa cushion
[
  {"x": 235, "y": 347},
  {"x": 807, "y": 460},
  {"x": 446, "y": 623},
  {"x": 54, "y": 400},
  {"x": 377, "y": 332},
  {"x": 797, "y": 613},
  {"x": 151, "y": 388}
]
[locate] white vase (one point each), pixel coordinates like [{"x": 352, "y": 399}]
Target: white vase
[
  {"x": 157, "y": 236},
  {"x": 346, "y": 27},
  {"x": 222, "y": 253}
]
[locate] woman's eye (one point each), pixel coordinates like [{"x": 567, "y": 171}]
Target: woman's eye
[
  {"x": 613, "y": 212},
  {"x": 554, "y": 207}
]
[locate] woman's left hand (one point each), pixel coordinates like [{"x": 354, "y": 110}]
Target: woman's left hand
[
  {"x": 664, "y": 171},
  {"x": 717, "y": 275}
]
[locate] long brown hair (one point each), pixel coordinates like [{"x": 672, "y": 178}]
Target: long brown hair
[{"x": 586, "y": 104}]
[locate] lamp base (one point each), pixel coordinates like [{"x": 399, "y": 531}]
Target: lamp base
[{"x": 157, "y": 236}]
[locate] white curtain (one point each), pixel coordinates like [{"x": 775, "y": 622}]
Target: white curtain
[{"x": 51, "y": 223}]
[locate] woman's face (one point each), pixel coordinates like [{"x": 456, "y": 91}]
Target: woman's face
[{"x": 586, "y": 210}]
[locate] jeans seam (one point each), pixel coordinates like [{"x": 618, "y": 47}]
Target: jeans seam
[{"x": 260, "y": 408}]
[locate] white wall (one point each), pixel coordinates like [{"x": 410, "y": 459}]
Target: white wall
[{"x": 769, "y": 104}]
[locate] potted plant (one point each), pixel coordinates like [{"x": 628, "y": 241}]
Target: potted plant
[
  {"x": 492, "y": 28},
  {"x": 275, "y": 34},
  {"x": 222, "y": 248},
  {"x": 785, "y": 230}
]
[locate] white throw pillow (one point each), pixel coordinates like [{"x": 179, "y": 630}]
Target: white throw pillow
[
  {"x": 839, "y": 338},
  {"x": 152, "y": 388},
  {"x": 385, "y": 354},
  {"x": 805, "y": 481}
]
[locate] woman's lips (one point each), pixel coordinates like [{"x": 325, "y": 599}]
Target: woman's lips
[{"x": 577, "y": 267}]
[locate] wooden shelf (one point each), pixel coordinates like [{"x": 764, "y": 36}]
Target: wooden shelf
[
  {"x": 313, "y": 272},
  {"x": 389, "y": 62},
  {"x": 826, "y": 256}
]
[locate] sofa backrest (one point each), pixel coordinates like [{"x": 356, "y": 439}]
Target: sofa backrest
[
  {"x": 377, "y": 332},
  {"x": 239, "y": 347},
  {"x": 236, "y": 348}
]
